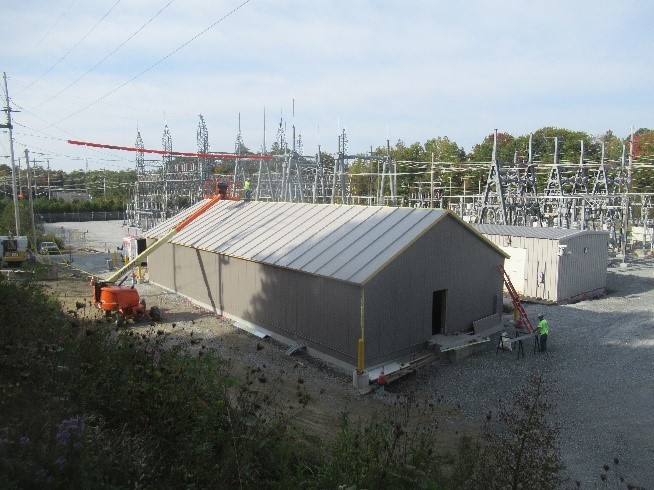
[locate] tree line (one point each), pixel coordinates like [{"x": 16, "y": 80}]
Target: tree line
[
  {"x": 109, "y": 190},
  {"x": 545, "y": 143}
]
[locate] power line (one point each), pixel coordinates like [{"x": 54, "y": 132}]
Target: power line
[
  {"x": 74, "y": 46},
  {"x": 48, "y": 32},
  {"x": 40, "y": 119},
  {"x": 39, "y": 134},
  {"x": 70, "y": 157},
  {"x": 107, "y": 56},
  {"x": 161, "y": 60}
]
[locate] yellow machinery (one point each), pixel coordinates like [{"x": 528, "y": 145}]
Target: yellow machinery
[{"x": 13, "y": 250}]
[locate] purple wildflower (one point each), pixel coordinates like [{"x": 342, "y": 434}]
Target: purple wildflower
[
  {"x": 24, "y": 441},
  {"x": 60, "y": 463},
  {"x": 41, "y": 475},
  {"x": 69, "y": 429},
  {"x": 155, "y": 355}
]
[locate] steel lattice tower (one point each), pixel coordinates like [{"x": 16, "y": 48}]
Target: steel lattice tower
[{"x": 204, "y": 163}]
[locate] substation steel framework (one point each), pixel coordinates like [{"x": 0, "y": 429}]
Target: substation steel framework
[
  {"x": 583, "y": 195},
  {"x": 577, "y": 196},
  {"x": 165, "y": 187}
]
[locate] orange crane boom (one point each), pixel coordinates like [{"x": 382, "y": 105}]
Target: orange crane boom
[{"x": 218, "y": 156}]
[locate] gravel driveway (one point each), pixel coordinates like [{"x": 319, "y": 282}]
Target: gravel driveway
[{"x": 600, "y": 360}]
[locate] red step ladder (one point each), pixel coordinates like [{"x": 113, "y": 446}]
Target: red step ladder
[{"x": 522, "y": 322}]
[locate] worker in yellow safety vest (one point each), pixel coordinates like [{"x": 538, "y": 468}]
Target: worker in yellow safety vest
[
  {"x": 543, "y": 330},
  {"x": 247, "y": 189}
]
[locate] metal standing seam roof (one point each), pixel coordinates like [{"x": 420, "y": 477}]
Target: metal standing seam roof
[
  {"x": 532, "y": 231},
  {"x": 349, "y": 243}
]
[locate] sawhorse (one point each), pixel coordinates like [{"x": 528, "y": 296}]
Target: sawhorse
[{"x": 519, "y": 340}]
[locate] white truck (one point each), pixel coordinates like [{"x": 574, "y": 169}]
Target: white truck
[{"x": 134, "y": 245}]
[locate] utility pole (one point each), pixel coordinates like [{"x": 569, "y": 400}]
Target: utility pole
[
  {"x": 11, "y": 154},
  {"x": 49, "y": 193},
  {"x": 31, "y": 202},
  {"x": 431, "y": 182},
  {"x": 20, "y": 183}
]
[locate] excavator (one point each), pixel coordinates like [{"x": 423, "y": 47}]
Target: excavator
[{"x": 122, "y": 302}]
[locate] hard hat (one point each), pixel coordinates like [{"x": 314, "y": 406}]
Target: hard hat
[{"x": 541, "y": 316}]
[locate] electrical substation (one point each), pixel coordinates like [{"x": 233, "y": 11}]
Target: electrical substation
[{"x": 528, "y": 191}]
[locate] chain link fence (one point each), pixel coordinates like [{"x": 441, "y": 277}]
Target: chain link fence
[{"x": 90, "y": 216}]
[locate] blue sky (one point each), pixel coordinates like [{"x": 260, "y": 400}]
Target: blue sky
[{"x": 402, "y": 70}]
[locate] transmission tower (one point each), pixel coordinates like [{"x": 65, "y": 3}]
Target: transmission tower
[
  {"x": 140, "y": 161},
  {"x": 239, "y": 149},
  {"x": 167, "y": 159},
  {"x": 203, "y": 148},
  {"x": 340, "y": 163}
]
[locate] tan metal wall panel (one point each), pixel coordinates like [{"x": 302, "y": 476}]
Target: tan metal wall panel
[
  {"x": 516, "y": 267},
  {"x": 555, "y": 258},
  {"x": 566, "y": 274},
  {"x": 538, "y": 260},
  {"x": 583, "y": 266},
  {"x": 399, "y": 298},
  {"x": 317, "y": 311},
  {"x": 158, "y": 266},
  {"x": 531, "y": 266}
]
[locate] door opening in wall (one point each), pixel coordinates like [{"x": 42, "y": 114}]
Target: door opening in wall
[{"x": 439, "y": 301}]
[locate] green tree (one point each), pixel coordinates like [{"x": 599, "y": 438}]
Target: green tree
[
  {"x": 8, "y": 219},
  {"x": 276, "y": 149},
  {"x": 362, "y": 182},
  {"x": 443, "y": 150},
  {"x": 506, "y": 148},
  {"x": 612, "y": 146},
  {"x": 569, "y": 145},
  {"x": 410, "y": 171},
  {"x": 326, "y": 159},
  {"x": 412, "y": 153},
  {"x": 644, "y": 144}
]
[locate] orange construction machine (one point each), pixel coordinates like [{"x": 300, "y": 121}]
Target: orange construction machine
[{"x": 123, "y": 303}]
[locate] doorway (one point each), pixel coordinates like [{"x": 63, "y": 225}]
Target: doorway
[{"x": 439, "y": 301}]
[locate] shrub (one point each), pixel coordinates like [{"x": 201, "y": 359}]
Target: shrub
[
  {"x": 85, "y": 406},
  {"x": 520, "y": 448}
]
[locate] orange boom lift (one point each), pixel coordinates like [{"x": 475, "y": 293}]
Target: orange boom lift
[{"x": 123, "y": 302}]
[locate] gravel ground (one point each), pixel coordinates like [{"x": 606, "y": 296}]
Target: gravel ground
[
  {"x": 598, "y": 363},
  {"x": 95, "y": 235},
  {"x": 599, "y": 358}
]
